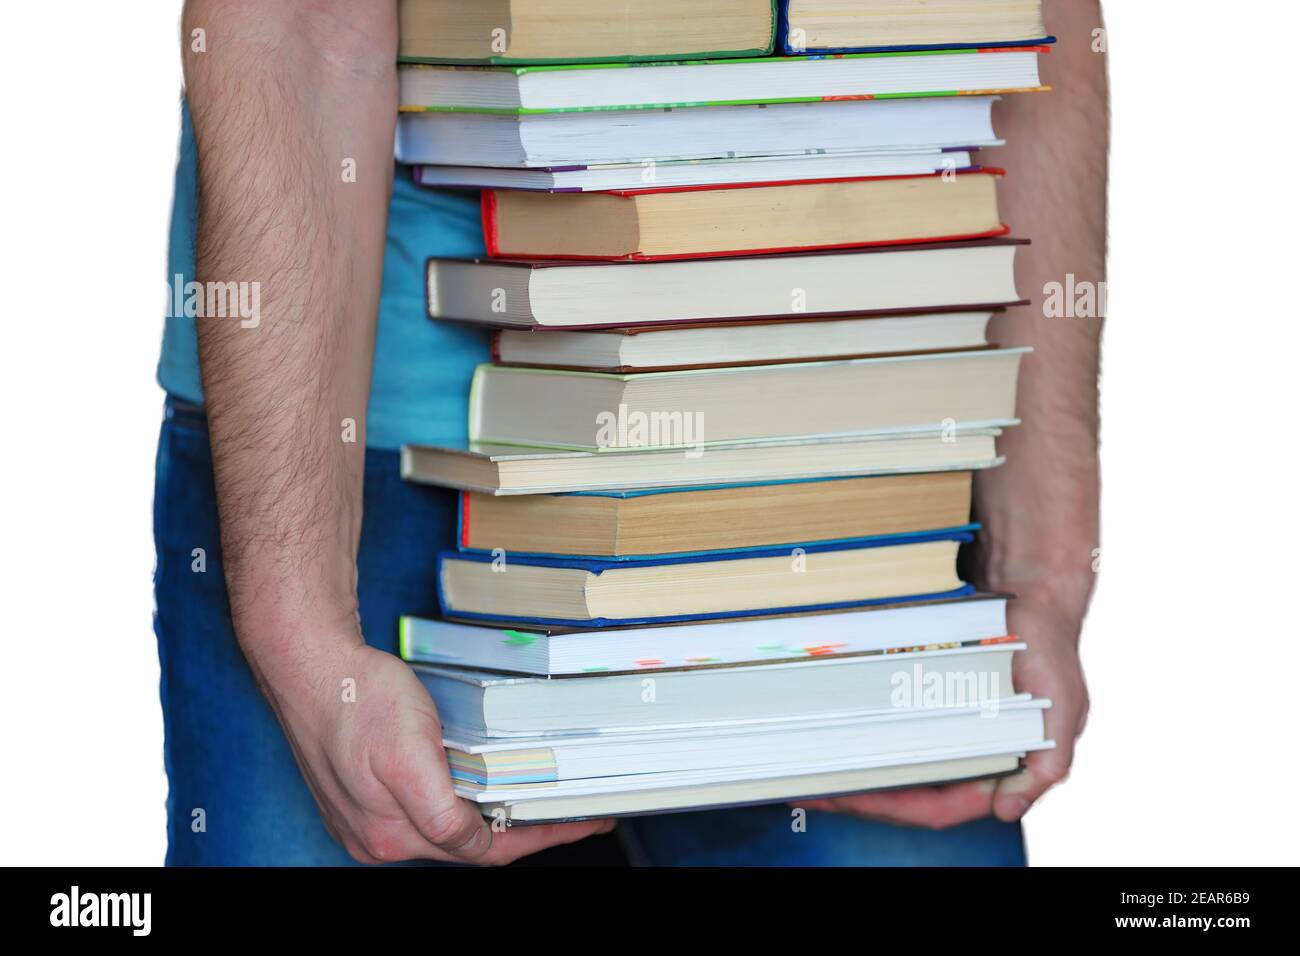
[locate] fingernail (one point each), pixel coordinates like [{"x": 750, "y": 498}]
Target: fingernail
[{"x": 987, "y": 787}]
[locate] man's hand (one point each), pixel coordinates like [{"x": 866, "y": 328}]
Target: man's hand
[
  {"x": 1049, "y": 668},
  {"x": 374, "y": 761},
  {"x": 1040, "y": 510},
  {"x": 284, "y": 98}
]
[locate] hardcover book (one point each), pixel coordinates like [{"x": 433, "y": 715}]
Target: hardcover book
[
  {"x": 571, "y": 31},
  {"x": 598, "y": 593},
  {"x": 696, "y": 410},
  {"x": 886, "y": 280},
  {"x": 692, "y": 222},
  {"x": 843, "y": 26},
  {"x": 634, "y": 525},
  {"x": 743, "y": 342},
  {"x": 517, "y": 470},
  {"x": 690, "y": 83}
]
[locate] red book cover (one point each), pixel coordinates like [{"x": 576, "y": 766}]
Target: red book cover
[{"x": 488, "y": 206}]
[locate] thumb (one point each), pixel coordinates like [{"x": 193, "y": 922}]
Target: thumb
[{"x": 420, "y": 781}]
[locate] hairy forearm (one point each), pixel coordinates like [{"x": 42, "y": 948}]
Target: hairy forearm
[
  {"x": 1040, "y": 510},
  {"x": 283, "y": 98}
]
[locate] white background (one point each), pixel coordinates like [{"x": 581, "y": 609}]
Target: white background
[{"x": 1191, "y": 648}]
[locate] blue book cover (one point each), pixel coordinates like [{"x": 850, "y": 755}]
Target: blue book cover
[
  {"x": 599, "y": 567},
  {"x": 791, "y": 49}
]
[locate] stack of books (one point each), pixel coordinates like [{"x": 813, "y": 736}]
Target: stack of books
[{"x": 721, "y": 464}]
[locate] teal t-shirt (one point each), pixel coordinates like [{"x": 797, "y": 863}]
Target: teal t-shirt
[{"x": 419, "y": 389}]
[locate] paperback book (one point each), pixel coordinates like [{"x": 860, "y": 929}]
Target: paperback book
[
  {"x": 644, "y": 136},
  {"x": 556, "y": 650}
]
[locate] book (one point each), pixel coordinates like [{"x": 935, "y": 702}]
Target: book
[
  {"x": 690, "y": 222},
  {"x": 851, "y": 574},
  {"x": 594, "y": 31},
  {"x": 693, "y": 172},
  {"x": 696, "y": 409},
  {"x": 668, "y": 793},
  {"x": 728, "y": 344},
  {"x": 501, "y": 706},
  {"x": 957, "y": 276},
  {"x": 556, "y": 650},
  {"x": 630, "y": 525},
  {"x": 516, "y": 470},
  {"x": 689, "y": 83},
  {"x": 722, "y": 132},
  {"x": 994, "y": 724},
  {"x": 834, "y": 26}
]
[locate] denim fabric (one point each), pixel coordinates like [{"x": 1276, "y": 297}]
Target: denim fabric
[{"x": 226, "y": 755}]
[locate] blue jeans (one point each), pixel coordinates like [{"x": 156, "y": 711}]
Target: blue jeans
[{"x": 236, "y": 797}]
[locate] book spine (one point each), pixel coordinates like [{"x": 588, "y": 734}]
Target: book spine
[
  {"x": 462, "y": 519},
  {"x": 475, "y": 397},
  {"x": 488, "y": 213},
  {"x": 782, "y": 38},
  {"x": 404, "y": 637}
]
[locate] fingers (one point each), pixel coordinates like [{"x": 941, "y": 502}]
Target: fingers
[
  {"x": 524, "y": 841},
  {"x": 1049, "y": 669},
  {"x": 1043, "y": 770},
  {"x": 412, "y": 766},
  {"x": 932, "y": 807},
  {"x": 416, "y": 774}
]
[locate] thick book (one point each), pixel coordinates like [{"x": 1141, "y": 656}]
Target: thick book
[
  {"x": 842, "y": 26},
  {"x": 730, "y": 344},
  {"x": 692, "y": 222},
  {"x": 583, "y": 178},
  {"x": 697, "y": 409},
  {"x": 642, "y": 137},
  {"x": 691, "y": 83},
  {"x": 851, "y": 574},
  {"x": 495, "y": 764},
  {"x": 676, "y": 792},
  {"x": 633, "y": 525},
  {"x": 570, "y": 31},
  {"x": 556, "y": 650},
  {"x": 954, "y": 276},
  {"x": 496, "y": 705},
  {"x": 514, "y": 470}
]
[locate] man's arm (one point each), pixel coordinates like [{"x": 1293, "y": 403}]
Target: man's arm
[
  {"x": 1039, "y": 510},
  {"x": 283, "y": 97}
]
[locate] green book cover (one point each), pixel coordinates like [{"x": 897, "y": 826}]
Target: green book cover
[{"x": 782, "y": 61}]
